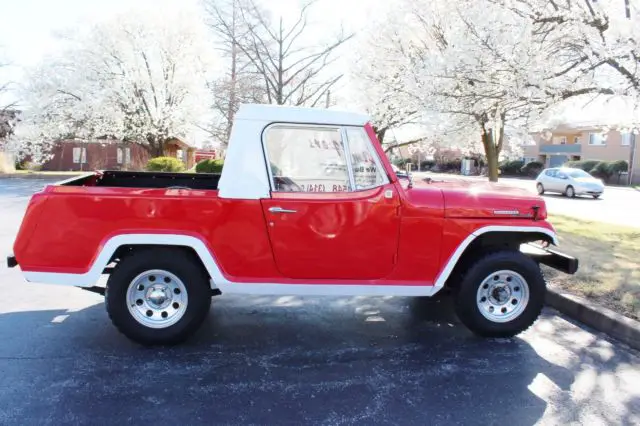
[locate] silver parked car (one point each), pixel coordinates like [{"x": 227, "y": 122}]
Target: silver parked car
[{"x": 570, "y": 182}]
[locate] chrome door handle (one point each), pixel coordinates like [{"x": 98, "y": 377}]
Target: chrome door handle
[{"x": 281, "y": 210}]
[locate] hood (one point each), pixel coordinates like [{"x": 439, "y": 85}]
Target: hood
[{"x": 473, "y": 199}]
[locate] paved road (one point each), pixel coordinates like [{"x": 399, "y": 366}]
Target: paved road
[
  {"x": 617, "y": 205},
  {"x": 292, "y": 360}
]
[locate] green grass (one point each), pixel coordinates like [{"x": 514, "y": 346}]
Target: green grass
[{"x": 609, "y": 256}]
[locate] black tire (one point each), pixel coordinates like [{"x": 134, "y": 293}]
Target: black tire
[
  {"x": 178, "y": 262},
  {"x": 540, "y": 189},
  {"x": 570, "y": 192},
  {"x": 467, "y": 306},
  {"x": 596, "y": 196}
]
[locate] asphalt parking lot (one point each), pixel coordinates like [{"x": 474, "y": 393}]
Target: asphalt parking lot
[{"x": 292, "y": 360}]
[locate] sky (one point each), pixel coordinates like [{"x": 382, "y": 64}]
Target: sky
[{"x": 29, "y": 27}]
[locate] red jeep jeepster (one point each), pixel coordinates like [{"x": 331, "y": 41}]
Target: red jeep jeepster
[{"x": 307, "y": 204}]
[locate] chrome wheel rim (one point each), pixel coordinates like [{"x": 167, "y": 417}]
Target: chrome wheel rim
[
  {"x": 503, "y": 296},
  {"x": 157, "y": 298},
  {"x": 540, "y": 188},
  {"x": 570, "y": 192}
]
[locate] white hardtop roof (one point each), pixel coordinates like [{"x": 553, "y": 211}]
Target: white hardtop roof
[{"x": 289, "y": 114}]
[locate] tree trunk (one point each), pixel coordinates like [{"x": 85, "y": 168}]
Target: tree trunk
[
  {"x": 231, "y": 107},
  {"x": 491, "y": 152}
]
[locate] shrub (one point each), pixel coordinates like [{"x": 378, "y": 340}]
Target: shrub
[
  {"x": 210, "y": 166},
  {"x": 23, "y": 165},
  {"x": 451, "y": 166},
  {"x": 602, "y": 170},
  {"x": 165, "y": 164},
  {"x": 511, "y": 168},
  {"x": 427, "y": 164},
  {"x": 532, "y": 169},
  {"x": 619, "y": 167}
]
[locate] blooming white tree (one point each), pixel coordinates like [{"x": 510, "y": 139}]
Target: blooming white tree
[
  {"x": 136, "y": 77},
  {"x": 596, "y": 46},
  {"x": 494, "y": 65}
]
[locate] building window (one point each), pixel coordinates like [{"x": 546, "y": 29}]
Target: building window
[
  {"x": 626, "y": 139},
  {"x": 576, "y": 140},
  {"x": 563, "y": 140},
  {"x": 79, "y": 155},
  {"x": 596, "y": 139},
  {"x": 124, "y": 155}
]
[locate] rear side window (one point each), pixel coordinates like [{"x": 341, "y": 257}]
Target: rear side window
[
  {"x": 307, "y": 159},
  {"x": 551, "y": 173}
]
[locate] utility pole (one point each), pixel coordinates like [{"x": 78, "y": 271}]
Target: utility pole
[{"x": 632, "y": 157}]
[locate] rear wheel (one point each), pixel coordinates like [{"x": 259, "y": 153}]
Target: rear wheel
[
  {"x": 158, "y": 296},
  {"x": 540, "y": 188},
  {"x": 570, "y": 192},
  {"x": 501, "y": 295}
]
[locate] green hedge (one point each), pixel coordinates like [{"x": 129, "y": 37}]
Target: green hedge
[
  {"x": 586, "y": 165},
  {"x": 532, "y": 169},
  {"x": 602, "y": 169},
  {"x": 165, "y": 164},
  {"x": 511, "y": 168},
  {"x": 210, "y": 166}
]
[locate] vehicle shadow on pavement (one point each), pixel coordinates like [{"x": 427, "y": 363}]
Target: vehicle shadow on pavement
[{"x": 304, "y": 360}]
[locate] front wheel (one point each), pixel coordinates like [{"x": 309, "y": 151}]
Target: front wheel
[
  {"x": 501, "y": 295},
  {"x": 570, "y": 192},
  {"x": 596, "y": 196},
  {"x": 158, "y": 296},
  {"x": 540, "y": 188}
]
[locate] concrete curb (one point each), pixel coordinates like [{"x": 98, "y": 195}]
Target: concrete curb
[{"x": 595, "y": 316}]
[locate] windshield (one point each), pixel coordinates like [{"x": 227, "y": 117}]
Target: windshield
[{"x": 579, "y": 174}]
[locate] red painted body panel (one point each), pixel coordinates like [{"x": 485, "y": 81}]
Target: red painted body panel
[
  {"x": 335, "y": 237},
  {"x": 80, "y": 219},
  {"x": 488, "y": 200}
]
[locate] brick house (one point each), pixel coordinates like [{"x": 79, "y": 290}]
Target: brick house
[
  {"x": 564, "y": 143},
  {"x": 73, "y": 154}
]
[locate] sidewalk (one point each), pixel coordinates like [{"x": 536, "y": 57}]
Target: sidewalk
[{"x": 39, "y": 175}]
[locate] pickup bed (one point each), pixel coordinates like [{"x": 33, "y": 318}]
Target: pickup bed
[
  {"x": 125, "y": 179},
  {"x": 308, "y": 204}
]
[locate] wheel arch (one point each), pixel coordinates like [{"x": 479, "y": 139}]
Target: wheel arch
[
  {"x": 126, "y": 250},
  {"x": 488, "y": 240},
  {"x": 123, "y": 244}
]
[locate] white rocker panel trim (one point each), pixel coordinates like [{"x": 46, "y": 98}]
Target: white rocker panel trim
[{"x": 90, "y": 278}]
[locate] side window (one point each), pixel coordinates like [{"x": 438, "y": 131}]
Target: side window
[
  {"x": 551, "y": 173},
  {"x": 367, "y": 171},
  {"x": 307, "y": 159}
]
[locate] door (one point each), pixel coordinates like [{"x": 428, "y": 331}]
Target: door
[
  {"x": 557, "y": 160},
  {"x": 332, "y": 213},
  {"x": 549, "y": 180}
]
